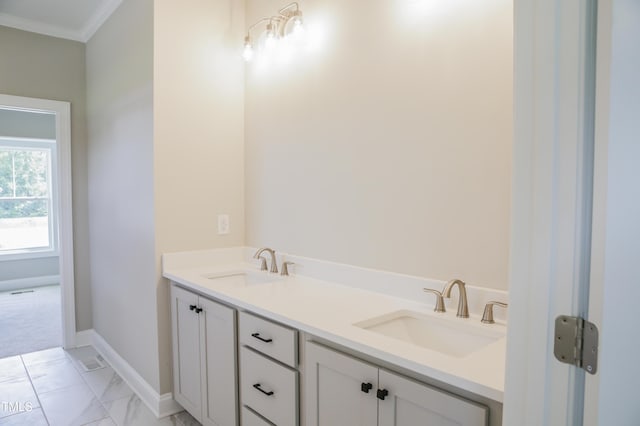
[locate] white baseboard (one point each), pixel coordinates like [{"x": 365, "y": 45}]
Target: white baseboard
[
  {"x": 160, "y": 405},
  {"x": 84, "y": 338},
  {"x": 20, "y": 283}
]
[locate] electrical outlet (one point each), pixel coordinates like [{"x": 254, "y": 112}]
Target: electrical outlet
[{"x": 223, "y": 224}]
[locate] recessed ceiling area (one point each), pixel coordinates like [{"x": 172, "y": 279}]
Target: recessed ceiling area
[{"x": 70, "y": 19}]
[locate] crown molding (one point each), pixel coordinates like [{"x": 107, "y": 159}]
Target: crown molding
[
  {"x": 99, "y": 17},
  {"x": 83, "y": 35},
  {"x": 38, "y": 27}
]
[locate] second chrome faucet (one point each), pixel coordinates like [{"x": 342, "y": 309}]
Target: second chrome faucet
[{"x": 463, "y": 305}]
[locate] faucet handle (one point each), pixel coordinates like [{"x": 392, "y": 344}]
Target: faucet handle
[
  {"x": 263, "y": 263},
  {"x": 285, "y": 269},
  {"x": 487, "y": 316},
  {"x": 439, "y": 300}
]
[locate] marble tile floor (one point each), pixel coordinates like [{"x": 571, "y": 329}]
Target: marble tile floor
[{"x": 51, "y": 387}]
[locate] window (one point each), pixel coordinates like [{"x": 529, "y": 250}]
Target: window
[{"x": 28, "y": 224}]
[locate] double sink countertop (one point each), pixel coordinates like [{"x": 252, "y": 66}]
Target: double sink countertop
[{"x": 333, "y": 312}]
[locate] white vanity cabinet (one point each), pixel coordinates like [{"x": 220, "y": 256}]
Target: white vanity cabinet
[
  {"x": 268, "y": 371},
  {"x": 204, "y": 358},
  {"x": 344, "y": 391}
]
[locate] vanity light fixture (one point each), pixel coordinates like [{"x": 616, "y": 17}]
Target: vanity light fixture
[
  {"x": 248, "y": 50},
  {"x": 277, "y": 27}
]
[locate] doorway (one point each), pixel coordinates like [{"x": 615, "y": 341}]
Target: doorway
[{"x": 36, "y": 237}]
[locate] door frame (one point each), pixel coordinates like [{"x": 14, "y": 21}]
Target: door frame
[
  {"x": 554, "y": 102},
  {"x": 62, "y": 111}
]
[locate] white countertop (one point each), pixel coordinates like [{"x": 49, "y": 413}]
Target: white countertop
[{"x": 328, "y": 310}]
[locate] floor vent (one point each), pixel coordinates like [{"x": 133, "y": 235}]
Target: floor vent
[{"x": 92, "y": 364}]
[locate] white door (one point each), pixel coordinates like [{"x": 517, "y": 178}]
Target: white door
[
  {"x": 340, "y": 390},
  {"x": 611, "y": 396},
  {"x": 186, "y": 350},
  {"x": 410, "y": 403},
  {"x": 219, "y": 368},
  {"x": 563, "y": 260}
]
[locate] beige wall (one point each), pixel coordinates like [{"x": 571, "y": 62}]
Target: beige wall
[
  {"x": 121, "y": 203},
  {"x": 388, "y": 144},
  {"x": 198, "y": 127},
  {"x": 38, "y": 66}
]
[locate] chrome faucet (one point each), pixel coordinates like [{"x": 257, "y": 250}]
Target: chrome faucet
[
  {"x": 272, "y": 253},
  {"x": 463, "y": 307}
]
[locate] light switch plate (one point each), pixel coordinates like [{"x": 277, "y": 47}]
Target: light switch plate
[{"x": 223, "y": 224}]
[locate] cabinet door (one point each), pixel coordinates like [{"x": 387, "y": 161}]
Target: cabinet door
[
  {"x": 219, "y": 368},
  {"x": 334, "y": 395},
  {"x": 410, "y": 403},
  {"x": 186, "y": 351}
]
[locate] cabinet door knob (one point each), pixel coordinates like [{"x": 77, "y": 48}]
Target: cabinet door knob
[
  {"x": 382, "y": 393},
  {"x": 366, "y": 387},
  {"x": 198, "y": 310},
  {"x": 257, "y": 336},
  {"x": 192, "y": 307},
  {"x": 257, "y": 386}
]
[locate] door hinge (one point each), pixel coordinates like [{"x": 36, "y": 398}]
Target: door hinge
[{"x": 576, "y": 342}]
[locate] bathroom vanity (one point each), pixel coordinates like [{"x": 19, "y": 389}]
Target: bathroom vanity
[{"x": 256, "y": 348}]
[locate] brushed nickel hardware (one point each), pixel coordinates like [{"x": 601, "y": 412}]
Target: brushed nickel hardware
[
  {"x": 263, "y": 263},
  {"x": 439, "y": 300},
  {"x": 463, "y": 307},
  {"x": 285, "y": 268},
  {"x": 272, "y": 253},
  {"x": 487, "y": 316},
  {"x": 576, "y": 342}
]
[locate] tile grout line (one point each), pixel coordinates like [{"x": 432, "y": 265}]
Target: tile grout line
[
  {"x": 82, "y": 374},
  {"x": 46, "y": 419}
]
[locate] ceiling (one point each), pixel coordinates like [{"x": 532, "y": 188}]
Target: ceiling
[{"x": 71, "y": 19}]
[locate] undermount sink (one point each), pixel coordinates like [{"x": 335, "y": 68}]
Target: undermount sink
[
  {"x": 453, "y": 337},
  {"x": 244, "y": 278}
]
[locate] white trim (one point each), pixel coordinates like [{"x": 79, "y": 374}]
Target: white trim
[
  {"x": 99, "y": 17},
  {"x": 62, "y": 110},
  {"x": 83, "y": 35},
  {"x": 160, "y": 405},
  {"x": 31, "y": 282},
  {"x": 84, "y": 338},
  {"x": 550, "y": 206},
  {"x": 39, "y": 27}
]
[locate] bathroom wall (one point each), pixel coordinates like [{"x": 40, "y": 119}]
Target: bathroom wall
[
  {"x": 39, "y": 66},
  {"x": 121, "y": 203},
  {"x": 384, "y": 140},
  {"x": 198, "y": 151}
]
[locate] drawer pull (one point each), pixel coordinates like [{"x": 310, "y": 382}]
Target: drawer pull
[
  {"x": 192, "y": 307},
  {"x": 382, "y": 393},
  {"x": 257, "y": 336},
  {"x": 257, "y": 386},
  {"x": 366, "y": 387},
  {"x": 198, "y": 310}
]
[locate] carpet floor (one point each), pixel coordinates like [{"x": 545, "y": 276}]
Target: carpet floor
[{"x": 30, "y": 320}]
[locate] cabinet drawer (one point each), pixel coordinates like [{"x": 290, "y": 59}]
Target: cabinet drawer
[
  {"x": 268, "y": 388},
  {"x": 249, "y": 418},
  {"x": 274, "y": 340}
]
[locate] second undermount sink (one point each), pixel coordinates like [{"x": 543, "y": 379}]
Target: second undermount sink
[
  {"x": 453, "y": 337},
  {"x": 243, "y": 278}
]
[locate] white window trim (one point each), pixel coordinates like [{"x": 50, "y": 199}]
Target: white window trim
[{"x": 53, "y": 249}]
